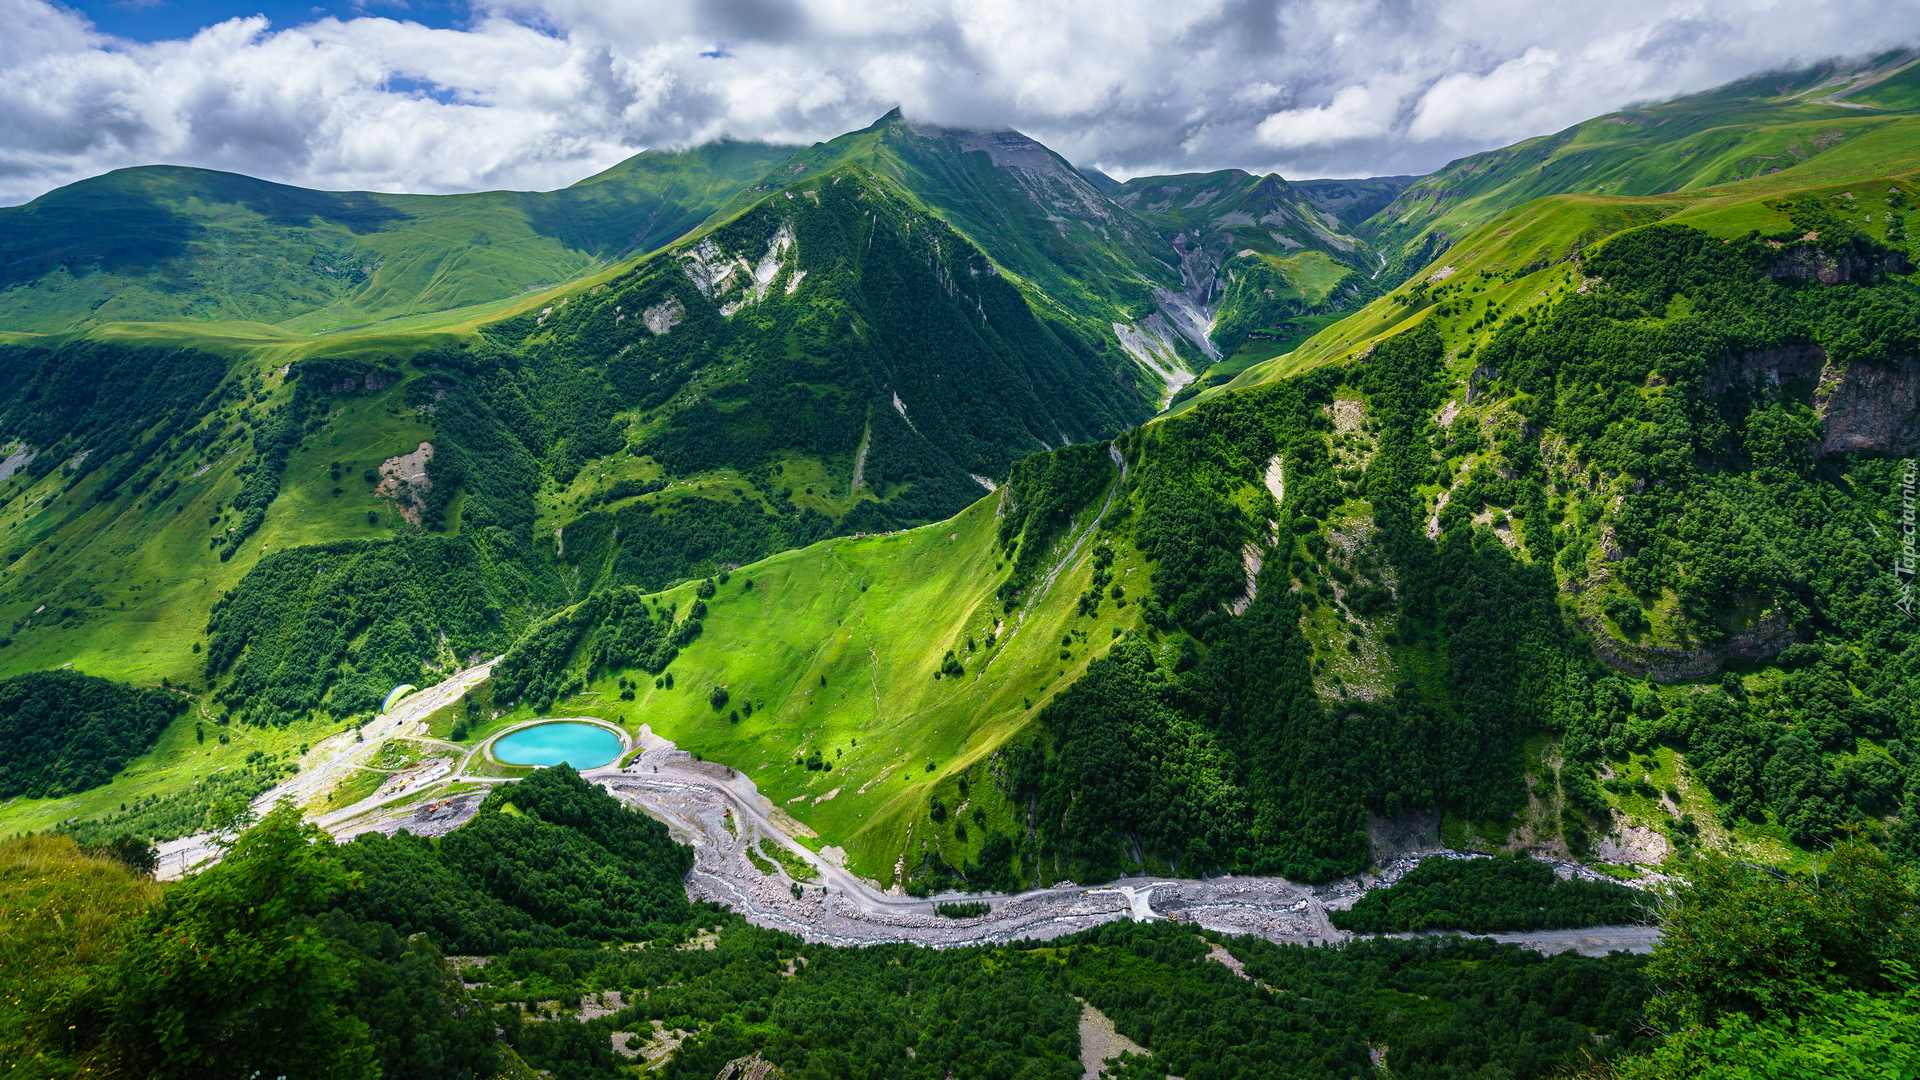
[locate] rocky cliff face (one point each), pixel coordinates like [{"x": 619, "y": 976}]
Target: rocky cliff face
[
  {"x": 1808, "y": 262},
  {"x": 1764, "y": 640},
  {"x": 1770, "y": 367},
  {"x": 1864, "y": 408},
  {"x": 1870, "y": 409}
]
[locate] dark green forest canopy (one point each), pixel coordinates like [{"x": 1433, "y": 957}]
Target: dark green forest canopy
[
  {"x": 337, "y": 626},
  {"x": 62, "y": 731},
  {"x": 1044, "y": 493},
  {"x": 1450, "y": 1008},
  {"x": 1485, "y": 896},
  {"x": 1681, "y": 372},
  {"x": 547, "y": 861},
  {"x": 1238, "y": 714},
  {"x": 129, "y": 409},
  {"x": 612, "y": 630}
]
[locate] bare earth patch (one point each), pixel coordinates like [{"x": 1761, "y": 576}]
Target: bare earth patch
[
  {"x": 1221, "y": 956},
  {"x": 1634, "y": 844},
  {"x": 1100, "y": 1043},
  {"x": 403, "y": 478}
]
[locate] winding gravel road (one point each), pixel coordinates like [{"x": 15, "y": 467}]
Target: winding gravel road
[
  {"x": 721, "y": 814},
  {"x": 327, "y": 763}
]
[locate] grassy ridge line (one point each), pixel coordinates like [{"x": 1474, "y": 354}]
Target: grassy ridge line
[
  {"x": 151, "y": 242},
  {"x": 1774, "y": 121},
  {"x": 1546, "y": 231},
  {"x": 1626, "y": 167}
]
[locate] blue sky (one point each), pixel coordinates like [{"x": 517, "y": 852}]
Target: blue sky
[
  {"x": 161, "y": 20},
  {"x": 463, "y": 95}
]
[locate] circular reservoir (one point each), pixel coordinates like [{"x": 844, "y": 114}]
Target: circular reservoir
[{"x": 583, "y": 746}]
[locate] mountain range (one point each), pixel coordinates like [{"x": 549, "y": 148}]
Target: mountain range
[{"x": 1004, "y": 524}]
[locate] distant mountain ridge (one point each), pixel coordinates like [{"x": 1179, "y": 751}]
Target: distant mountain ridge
[
  {"x": 167, "y": 243},
  {"x": 172, "y": 244},
  {"x": 1760, "y": 124}
]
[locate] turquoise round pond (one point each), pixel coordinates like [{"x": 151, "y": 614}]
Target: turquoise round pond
[{"x": 583, "y": 746}]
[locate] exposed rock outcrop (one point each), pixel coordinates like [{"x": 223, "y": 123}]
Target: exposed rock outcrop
[
  {"x": 750, "y": 1068},
  {"x": 1869, "y": 408},
  {"x": 1812, "y": 263},
  {"x": 18, "y": 456},
  {"x": 1764, "y": 640},
  {"x": 1769, "y": 367},
  {"x": 403, "y": 478},
  {"x": 1151, "y": 342}
]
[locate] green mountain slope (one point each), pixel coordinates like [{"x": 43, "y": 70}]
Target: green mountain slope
[
  {"x": 1267, "y": 262},
  {"x": 1023, "y": 204},
  {"x": 844, "y": 349},
  {"x": 833, "y": 360},
  {"x": 168, "y": 243},
  {"x": 1585, "y": 538},
  {"x": 1756, "y": 126},
  {"x": 1058, "y": 233},
  {"x": 1470, "y": 571}
]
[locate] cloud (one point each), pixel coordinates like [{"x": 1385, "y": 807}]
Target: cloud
[
  {"x": 1356, "y": 112},
  {"x": 538, "y": 93},
  {"x": 1518, "y": 97}
]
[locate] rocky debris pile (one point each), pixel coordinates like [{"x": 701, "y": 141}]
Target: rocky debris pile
[
  {"x": 436, "y": 818},
  {"x": 720, "y": 813},
  {"x": 750, "y": 1068}
]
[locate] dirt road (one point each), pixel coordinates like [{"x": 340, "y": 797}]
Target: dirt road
[
  {"x": 329, "y": 762},
  {"x": 721, "y": 814}
]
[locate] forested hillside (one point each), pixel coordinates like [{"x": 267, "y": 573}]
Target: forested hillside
[
  {"x": 1583, "y": 538},
  {"x": 293, "y": 953},
  {"x": 62, "y": 731},
  {"x": 1647, "y": 517},
  {"x": 838, "y": 322},
  {"x": 163, "y": 243}
]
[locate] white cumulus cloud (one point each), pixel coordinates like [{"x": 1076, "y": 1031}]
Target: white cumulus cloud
[
  {"x": 1355, "y": 113},
  {"x": 538, "y": 93}
]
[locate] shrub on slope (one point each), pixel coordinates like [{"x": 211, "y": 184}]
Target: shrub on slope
[
  {"x": 1485, "y": 896},
  {"x": 62, "y": 732},
  {"x": 549, "y": 860}
]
